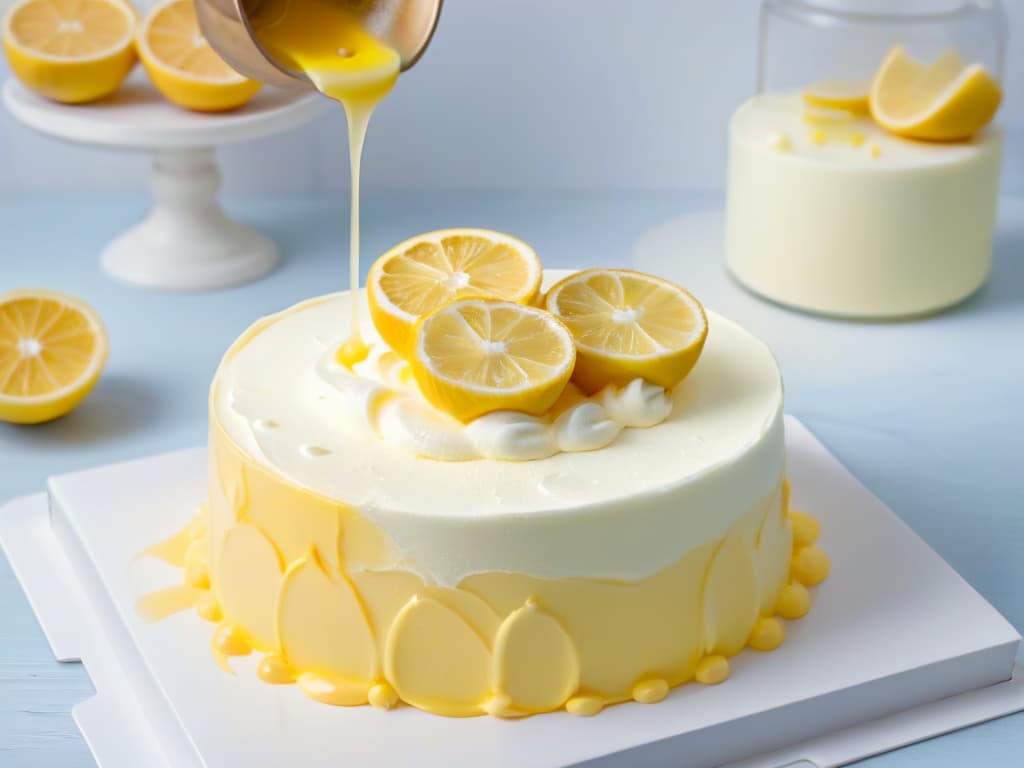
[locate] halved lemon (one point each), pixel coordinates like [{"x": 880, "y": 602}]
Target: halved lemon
[
  {"x": 843, "y": 95},
  {"x": 946, "y": 100},
  {"x": 428, "y": 271},
  {"x": 629, "y": 325},
  {"x": 72, "y": 51},
  {"x": 52, "y": 350},
  {"x": 183, "y": 66},
  {"x": 475, "y": 356}
]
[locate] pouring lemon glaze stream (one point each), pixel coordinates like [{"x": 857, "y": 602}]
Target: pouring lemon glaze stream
[{"x": 330, "y": 44}]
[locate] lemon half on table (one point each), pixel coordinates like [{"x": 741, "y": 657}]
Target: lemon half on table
[
  {"x": 52, "y": 350},
  {"x": 183, "y": 66},
  {"x": 72, "y": 51}
]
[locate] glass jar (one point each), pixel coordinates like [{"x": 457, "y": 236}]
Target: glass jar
[{"x": 862, "y": 183}]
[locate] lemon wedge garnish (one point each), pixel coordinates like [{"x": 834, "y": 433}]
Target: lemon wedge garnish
[
  {"x": 427, "y": 271},
  {"x": 841, "y": 95},
  {"x": 947, "y": 100},
  {"x": 475, "y": 356},
  {"x": 52, "y": 350},
  {"x": 72, "y": 51},
  {"x": 629, "y": 325},
  {"x": 183, "y": 66}
]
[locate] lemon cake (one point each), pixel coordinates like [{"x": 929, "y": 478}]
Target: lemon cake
[
  {"x": 622, "y": 538},
  {"x": 835, "y": 206}
]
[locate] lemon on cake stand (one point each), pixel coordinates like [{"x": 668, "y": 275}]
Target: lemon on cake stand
[{"x": 186, "y": 242}]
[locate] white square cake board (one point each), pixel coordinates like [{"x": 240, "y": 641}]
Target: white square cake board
[{"x": 897, "y": 648}]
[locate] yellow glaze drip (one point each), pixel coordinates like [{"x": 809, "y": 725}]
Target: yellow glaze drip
[
  {"x": 336, "y": 691},
  {"x": 794, "y": 601},
  {"x": 810, "y": 566},
  {"x": 196, "y": 572},
  {"x": 230, "y": 640},
  {"x": 383, "y": 696},
  {"x": 712, "y": 670},
  {"x": 328, "y": 42},
  {"x": 500, "y": 705},
  {"x": 806, "y": 529},
  {"x": 166, "y": 602},
  {"x": 208, "y": 608},
  {"x": 768, "y": 634},
  {"x": 312, "y": 584},
  {"x": 650, "y": 691},
  {"x": 172, "y": 549},
  {"x": 275, "y": 670},
  {"x": 584, "y": 706}
]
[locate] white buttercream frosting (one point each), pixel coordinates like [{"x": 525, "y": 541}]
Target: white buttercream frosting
[
  {"x": 381, "y": 396},
  {"x": 675, "y": 470}
]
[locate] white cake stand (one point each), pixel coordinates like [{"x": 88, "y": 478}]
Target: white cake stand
[{"x": 186, "y": 242}]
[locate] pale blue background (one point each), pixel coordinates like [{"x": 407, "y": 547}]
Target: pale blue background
[
  {"x": 499, "y": 128},
  {"x": 549, "y": 95}
]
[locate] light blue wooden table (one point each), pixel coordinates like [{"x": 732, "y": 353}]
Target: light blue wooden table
[{"x": 930, "y": 414}]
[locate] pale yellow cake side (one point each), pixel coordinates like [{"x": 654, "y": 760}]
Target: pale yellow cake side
[{"x": 336, "y": 606}]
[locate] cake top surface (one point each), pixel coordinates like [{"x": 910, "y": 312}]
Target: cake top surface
[
  {"x": 716, "y": 454},
  {"x": 779, "y": 122}
]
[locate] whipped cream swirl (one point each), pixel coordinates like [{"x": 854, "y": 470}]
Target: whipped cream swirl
[{"x": 380, "y": 393}]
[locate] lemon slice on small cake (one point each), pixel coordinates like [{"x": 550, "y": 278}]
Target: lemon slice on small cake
[
  {"x": 629, "y": 325},
  {"x": 840, "y": 95},
  {"x": 183, "y": 66},
  {"x": 428, "y": 271},
  {"x": 475, "y": 356},
  {"x": 52, "y": 350},
  {"x": 946, "y": 100},
  {"x": 72, "y": 51}
]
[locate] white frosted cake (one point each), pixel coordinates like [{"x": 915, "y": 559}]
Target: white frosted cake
[{"x": 377, "y": 550}]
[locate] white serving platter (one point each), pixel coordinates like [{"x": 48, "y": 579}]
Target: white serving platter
[{"x": 897, "y": 648}]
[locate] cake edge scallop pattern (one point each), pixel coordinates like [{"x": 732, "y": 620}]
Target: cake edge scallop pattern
[{"x": 483, "y": 648}]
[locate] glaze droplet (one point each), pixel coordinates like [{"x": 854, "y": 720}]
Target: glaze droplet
[{"x": 712, "y": 670}]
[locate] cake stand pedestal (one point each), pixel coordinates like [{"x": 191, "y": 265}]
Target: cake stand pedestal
[{"x": 186, "y": 242}]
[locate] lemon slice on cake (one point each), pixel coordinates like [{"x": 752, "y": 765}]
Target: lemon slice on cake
[
  {"x": 52, "y": 350},
  {"x": 946, "y": 100},
  {"x": 427, "y": 271},
  {"x": 475, "y": 356},
  {"x": 838, "y": 95},
  {"x": 72, "y": 51},
  {"x": 183, "y": 66},
  {"x": 629, "y": 325}
]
